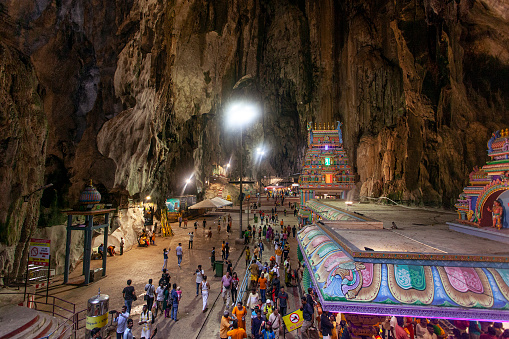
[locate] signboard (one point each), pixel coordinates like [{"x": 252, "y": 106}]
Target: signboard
[
  {"x": 293, "y": 320},
  {"x": 173, "y": 205},
  {"x": 99, "y": 321},
  {"x": 39, "y": 252}
]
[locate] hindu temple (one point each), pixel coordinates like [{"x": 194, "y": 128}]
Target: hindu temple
[{"x": 484, "y": 203}]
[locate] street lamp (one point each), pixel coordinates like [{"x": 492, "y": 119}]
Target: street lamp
[{"x": 238, "y": 116}]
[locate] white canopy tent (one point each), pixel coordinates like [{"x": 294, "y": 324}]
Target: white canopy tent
[
  {"x": 207, "y": 203},
  {"x": 222, "y": 201}
]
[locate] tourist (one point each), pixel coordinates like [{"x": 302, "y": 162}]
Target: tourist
[
  {"x": 226, "y": 286},
  {"x": 256, "y": 252},
  {"x": 227, "y": 250},
  {"x": 252, "y": 299},
  {"x": 205, "y": 288},
  {"x": 256, "y": 324},
  {"x": 128, "y": 334},
  {"x": 145, "y": 322},
  {"x": 253, "y": 268},
  {"x": 237, "y": 332},
  {"x": 165, "y": 278},
  {"x": 267, "y": 332},
  {"x": 122, "y": 246},
  {"x": 307, "y": 314},
  {"x": 260, "y": 245},
  {"x": 282, "y": 301},
  {"x": 235, "y": 287},
  {"x": 199, "y": 278},
  {"x": 262, "y": 283},
  {"x": 267, "y": 310},
  {"x": 248, "y": 256},
  {"x": 213, "y": 258},
  {"x": 430, "y": 334},
  {"x": 223, "y": 250},
  {"x": 167, "y": 302},
  {"x": 204, "y": 224},
  {"x": 191, "y": 237},
  {"x": 149, "y": 296},
  {"x": 174, "y": 302},
  {"x": 179, "y": 253},
  {"x": 111, "y": 250},
  {"x": 279, "y": 252},
  {"x": 326, "y": 325},
  {"x": 239, "y": 313},
  {"x": 490, "y": 334},
  {"x": 129, "y": 296},
  {"x": 225, "y": 325},
  {"x": 421, "y": 329},
  {"x": 165, "y": 259},
  {"x": 196, "y": 226},
  {"x": 121, "y": 321},
  {"x": 180, "y": 220},
  {"x": 294, "y": 230},
  {"x": 185, "y": 222},
  {"x": 275, "y": 320},
  {"x": 100, "y": 249},
  {"x": 159, "y": 298}
]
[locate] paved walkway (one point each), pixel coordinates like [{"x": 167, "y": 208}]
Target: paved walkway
[{"x": 140, "y": 264}]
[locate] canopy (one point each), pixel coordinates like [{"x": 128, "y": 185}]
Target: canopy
[
  {"x": 221, "y": 201},
  {"x": 207, "y": 203},
  {"x": 422, "y": 287}
]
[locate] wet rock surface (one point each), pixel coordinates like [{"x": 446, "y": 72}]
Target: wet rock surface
[{"x": 135, "y": 93}]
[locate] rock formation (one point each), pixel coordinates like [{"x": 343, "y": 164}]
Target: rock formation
[{"x": 135, "y": 93}]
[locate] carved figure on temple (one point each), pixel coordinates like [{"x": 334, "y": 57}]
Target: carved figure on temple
[{"x": 496, "y": 211}]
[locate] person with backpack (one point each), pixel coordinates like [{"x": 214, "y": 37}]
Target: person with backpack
[{"x": 149, "y": 296}]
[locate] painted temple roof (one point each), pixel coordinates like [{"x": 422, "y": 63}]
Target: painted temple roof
[
  {"x": 329, "y": 212},
  {"x": 427, "y": 288}
]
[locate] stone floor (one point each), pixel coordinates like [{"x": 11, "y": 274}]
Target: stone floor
[{"x": 140, "y": 264}]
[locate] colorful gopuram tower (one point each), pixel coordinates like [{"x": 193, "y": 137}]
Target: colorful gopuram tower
[
  {"x": 326, "y": 170},
  {"x": 485, "y": 202}
]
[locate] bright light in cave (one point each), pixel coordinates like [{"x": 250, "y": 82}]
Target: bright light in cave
[{"x": 240, "y": 114}]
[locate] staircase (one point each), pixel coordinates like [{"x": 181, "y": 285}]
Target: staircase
[{"x": 21, "y": 322}]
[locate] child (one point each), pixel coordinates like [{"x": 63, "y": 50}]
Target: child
[{"x": 179, "y": 293}]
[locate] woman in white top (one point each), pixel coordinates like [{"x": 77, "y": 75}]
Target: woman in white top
[{"x": 205, "y": 287}]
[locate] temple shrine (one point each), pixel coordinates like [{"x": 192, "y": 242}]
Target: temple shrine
[
  {"x": 485, "y": 202},
  {"x": 326, "y": 171}
]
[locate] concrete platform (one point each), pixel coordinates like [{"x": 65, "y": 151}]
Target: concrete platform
[{"x": 485, "y": 232}]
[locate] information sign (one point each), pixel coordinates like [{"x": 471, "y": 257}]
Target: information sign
[
  {"x": 39, "y": 252},
  {"x": 293, "y": 320}
]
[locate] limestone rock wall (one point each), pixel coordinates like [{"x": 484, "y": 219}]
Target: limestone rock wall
[
  {"x": 23, "y": 137},
  {"x": 136, "y": 93}
]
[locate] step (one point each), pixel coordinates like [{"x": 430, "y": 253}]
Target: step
[
  {"x": 16, "y": 320},
  {"x": 31, "y": 331}
]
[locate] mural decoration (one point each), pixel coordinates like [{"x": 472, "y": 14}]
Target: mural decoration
[{"x": 339, "y": 279}]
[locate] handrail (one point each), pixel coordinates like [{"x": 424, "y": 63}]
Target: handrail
[
  {"x": 74, "y": 327},
  {"x": 243, "y": 286}
]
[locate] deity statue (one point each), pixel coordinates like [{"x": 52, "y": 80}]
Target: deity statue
[{"x": 496, "y": 211}]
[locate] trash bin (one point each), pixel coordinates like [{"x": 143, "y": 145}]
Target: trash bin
[
  {"x": 219, "y": 268},
  {"x": 256, "y": 219}
]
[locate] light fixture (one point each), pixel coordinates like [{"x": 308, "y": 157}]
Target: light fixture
[
  {"x": 148, "y": 197},
  {"x": 188, "y": 181},
  {"x": 240, "y": 114}
]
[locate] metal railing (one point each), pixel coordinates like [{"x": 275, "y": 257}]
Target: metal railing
[{"x": 59, "y": 308}]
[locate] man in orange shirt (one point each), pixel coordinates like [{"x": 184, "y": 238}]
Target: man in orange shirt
[
  {"x": 237, "y": 333},
  {"x": 262, "y": 282},
  {"x": 225, "y": 325}
]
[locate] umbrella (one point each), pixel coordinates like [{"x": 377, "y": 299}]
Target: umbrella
[
  {"x": 222, "y": 201},
  {"x": 207, "y": 203}
]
